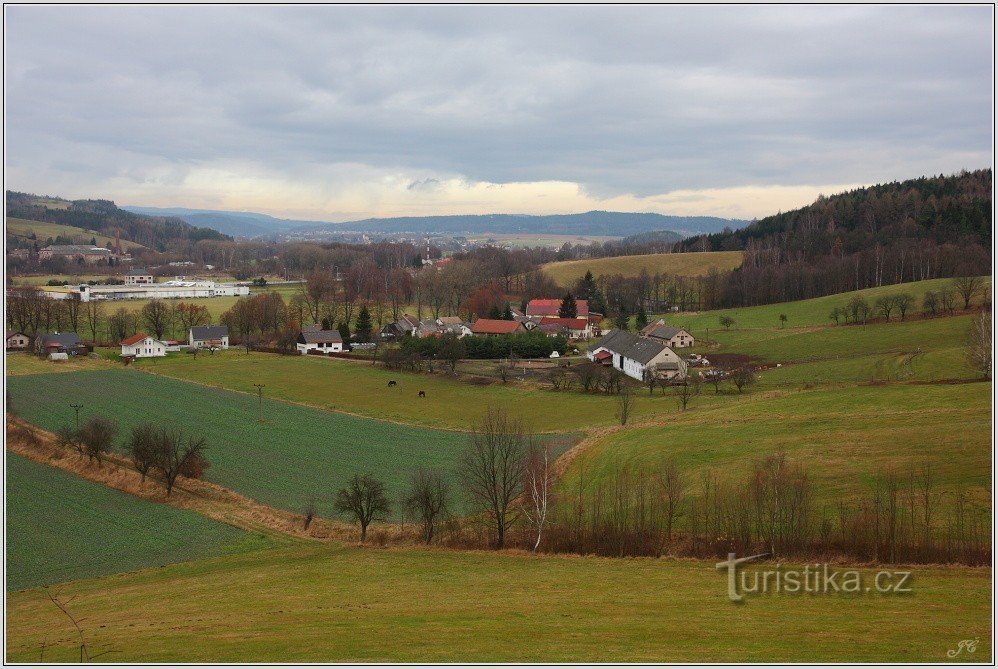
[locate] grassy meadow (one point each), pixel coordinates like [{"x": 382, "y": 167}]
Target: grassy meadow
[
  {"x": 567, "y": 272},
  {"x": 21, "y": 227},
  {"x": 345, "y": 604},
  {"x": 62, "y": 528}
]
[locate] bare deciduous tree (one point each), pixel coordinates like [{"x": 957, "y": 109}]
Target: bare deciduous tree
[
  {"x": 741, "y": 377},
  {"x": 309, "y": 513},
  {"x": 142, "y": 448},
  {"x": 363, "y": 499},
  {"x": 427, "y": 500},
  {"x": 492, "y": 468},
  {"x": 671, "y": 484},
  {"x": 968, "y": 287},
  {"x": 174, "y": 451},
  {"x": 537, "y": 485},
  {"x": 979, "y": 345},
  {"x": 97, "y": 437},
  {"x": 625, "y": 403}
]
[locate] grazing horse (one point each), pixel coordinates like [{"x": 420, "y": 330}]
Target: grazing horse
[
  {"x": 392, "y": 384},
  {"x": 422, "y": 393}
]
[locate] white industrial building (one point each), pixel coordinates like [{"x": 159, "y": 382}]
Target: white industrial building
[{"x": 179, "y": 288}]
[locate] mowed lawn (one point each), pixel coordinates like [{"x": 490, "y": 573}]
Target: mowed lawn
[
  {"x": 844, "y": 437},
  {"x": 567, "y": 272},
  {"x": 295, "y": 454},
  {"x": 62, "y": 528},
  {"x": 336, "y": 604},
  {"x": 362, "y": 388}
]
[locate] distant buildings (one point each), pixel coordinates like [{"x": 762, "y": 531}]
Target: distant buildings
[
  {"x": 179, "y": 288},
  {"x": 541, "y": 308},
  {"x": 637, "y": 357},
  {"x": 670, "y": 336},
  {"x": 83, "y": 253},
  {"x": 491, "y": 327},
  {"x": 63, "y": 343},
  {"x": 136, "y": 277}
]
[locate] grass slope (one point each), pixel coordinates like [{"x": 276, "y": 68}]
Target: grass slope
[
  {"x": 62, "y": 528},
  {"x": 567, "y": 272},
  {"x": 361, "y": 388},
  {"x": 295, "y": 454},
  {"x": 22, "y": 363},
  {"x": 21, "y": 227},
  {"x": 412, "y": 605},
  {"x": 844, "y": 436}
]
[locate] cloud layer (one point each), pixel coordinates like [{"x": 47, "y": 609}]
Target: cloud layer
[{"x": 343, "y": 112}]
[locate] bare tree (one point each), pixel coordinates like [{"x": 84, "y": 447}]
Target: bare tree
[
  {"x": 97, "y": 437},
  {"x": 930, "y": 302},
  {"x": 537, "y": 484},
  {"x": 85, "y": 655},
  {"x": 158, "y": 315},
  {"x": 427, "y": 499},
  {"x": 142, "y": 448},
  {"x": 726, "y": 322},
  {"x": 885, "y": 305},
  {"x": 363, "y": 499},
  {"x": 625, "y": 403},
  {"x": 687, "y": 390},
  {"x": 94, "y": 313},
  {"x": 904, "y": 302},
  {"x": 492, "y": 468},
  {"x": 968, "y": 287},
  {"x": 979, "y": 345},
  {"x": 671, "y": 484},
  {"x": 310, "y": 512},
  {"x": 174, "y": 451},
  {"x": 741, "y": 377},
  {"x": 947, "y": 300}
]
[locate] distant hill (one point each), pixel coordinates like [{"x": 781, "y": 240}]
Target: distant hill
[
  {"x": 593, "y": 223},
  {"x": 104, "y": 217},
  {"x": 234, "y": 223},
  {"x": 26, "y": 233},
  {"x": 656, "y": 237}
]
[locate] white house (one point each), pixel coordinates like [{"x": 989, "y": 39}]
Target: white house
[
  {"x": 209, "y": 336},
  {"x": 637, "y": 356},
  {"x": 578, "y": 328},
  {"x": 17, "y": 341},
  {"x": 323, "y": 341},
  {"x": 671, "y": 336},
  {"x": 142, "y": 345}
]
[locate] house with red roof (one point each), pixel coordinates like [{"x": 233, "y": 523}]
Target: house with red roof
[
  {"x": 142, "y": 345},
  {"x": 578, "y": 328},
  {"x": 540, "y": 308},
  {"x": 490, "y": 327}
]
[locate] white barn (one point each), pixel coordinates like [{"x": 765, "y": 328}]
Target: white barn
[{"x": 637, "y": 356}]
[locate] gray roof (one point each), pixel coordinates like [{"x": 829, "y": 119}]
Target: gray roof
[
  {"x": 320, "y": 336},
  {"x": 663, "y": 332},
  {"x": 205, "y": 332},
  {"x": 630, "y": 346},
  {"x": 65, "y": 339}
]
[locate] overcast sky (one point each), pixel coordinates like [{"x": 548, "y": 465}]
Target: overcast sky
[{"x": 344, "y": 112}]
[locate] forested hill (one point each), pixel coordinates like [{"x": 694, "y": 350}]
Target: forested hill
[
  {"x": 156, "y": 232},
  {"x": 900, "y": 231}
]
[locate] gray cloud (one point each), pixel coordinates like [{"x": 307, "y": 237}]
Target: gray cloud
[{"x": 640, "y": 100}]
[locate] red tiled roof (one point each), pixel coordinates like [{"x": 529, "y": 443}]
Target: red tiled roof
[
  {"x": 134, "y": 339},
  {"x": 570, "y": 323},
  {"x": 603, "y": 355},
  {"x": 551, "y": 307},
  {"x": 492, "y": 326}
]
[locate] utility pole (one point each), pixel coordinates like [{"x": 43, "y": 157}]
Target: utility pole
[
  {"x": 77, "y": 407},
  {"x": 259, "y": 392}
]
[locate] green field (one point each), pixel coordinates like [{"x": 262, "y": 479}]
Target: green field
[
  {"x": 361, "y": 388},
  {"x": 22, "y": 363},
  {"x": 844, "y": 436},
  {"x": 62, "y": 528},
  {"x": 296, "y": 453},
  {"x": 20, "y": 227},
  {"x": 410, "y": 605},
  {"x": 567, "y": 272}
]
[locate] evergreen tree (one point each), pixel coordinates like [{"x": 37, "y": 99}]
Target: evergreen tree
[
  {"x": 642, "y": 318},
  {"x": 587, "y": 287},
  {"x": 344, "y": 329},
  {"x": 568, "y": 308},
  {"x": 597, "y": 303},
  {"x": 364, "y": 326},
  {"x": 494, "y": 313},
  {"x": 507, "y": 314},
  {"x": 622, "y": 320}
]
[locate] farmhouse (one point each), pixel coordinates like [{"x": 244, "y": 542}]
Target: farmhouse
[
  {"x": 406, "y": 325},
  {"x": 138, "y": 276},
  {"x": 17, "y": 341},
  {"x": 320, "y": 341},
  {"x": 540, "y": 308},
  {"x": 668, "y": 335},
  {"x": 491, "y": 327},
  {"x": 142, "y": 345},
  {"x": 637, "y": 356},
  {"x": 209, "y": 336},
  {"x": 56, "y": 342},
  {"x": 578, "y": 328}
]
